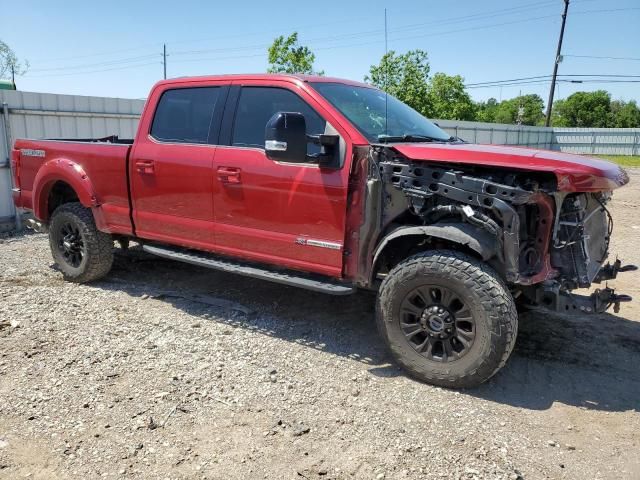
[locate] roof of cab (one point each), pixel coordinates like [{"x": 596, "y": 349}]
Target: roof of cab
[{"x": 286, "y": 77}]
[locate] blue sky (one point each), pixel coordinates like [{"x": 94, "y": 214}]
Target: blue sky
[{"x": 114, "y": 48}]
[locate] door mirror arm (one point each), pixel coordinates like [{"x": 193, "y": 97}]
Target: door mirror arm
[{"x": 329, "y": 150}]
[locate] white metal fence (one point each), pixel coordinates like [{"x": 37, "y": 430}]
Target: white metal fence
[
  {"x": 44, "y": 115},
  {"x": 499, "y": 133},
  {"x": 594, "y": 141},
  {"x": 597, "y": 141}
]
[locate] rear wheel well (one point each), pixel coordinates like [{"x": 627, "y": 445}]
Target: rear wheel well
[{"x": 60, "y": 193}]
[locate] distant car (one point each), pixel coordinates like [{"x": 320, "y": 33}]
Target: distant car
[{"x": 331, "y": 185}]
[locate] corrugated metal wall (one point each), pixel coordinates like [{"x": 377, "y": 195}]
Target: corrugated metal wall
[
  {"x": 598, "y": 141},
  {"x": 499, "y": 133},
  {"x": 45, "y": 115}
]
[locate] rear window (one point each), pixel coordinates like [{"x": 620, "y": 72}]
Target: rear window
[{"x": 184, "y": 115}]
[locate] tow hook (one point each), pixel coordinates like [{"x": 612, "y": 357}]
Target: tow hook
[
  {"x": 606, "y": 297},
  {"x": 610, "y": 271}
]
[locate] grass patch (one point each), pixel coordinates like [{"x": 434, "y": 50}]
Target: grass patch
[{"x": 623, "y": 160}]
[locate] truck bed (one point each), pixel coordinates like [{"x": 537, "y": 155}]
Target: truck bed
[{"x": 103, "y": 167}]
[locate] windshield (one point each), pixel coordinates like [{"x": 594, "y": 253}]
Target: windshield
[{"x": 365, "y": 108}]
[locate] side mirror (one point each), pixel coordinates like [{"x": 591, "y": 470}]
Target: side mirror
[
  {"x": 286, "y": 140},
  {"x": 286, "y": 137}
]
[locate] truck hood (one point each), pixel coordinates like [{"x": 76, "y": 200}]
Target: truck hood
[{"x": 575, "y": 173}]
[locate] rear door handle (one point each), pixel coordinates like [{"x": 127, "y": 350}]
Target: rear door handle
[
  {"x": 145, "y": 166},
  {"x": 229, "y": 175}
]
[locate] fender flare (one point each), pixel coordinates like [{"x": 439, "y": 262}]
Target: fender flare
[
  {"x": 60, "y": 169},
  {"x": 480, "y": 241}
]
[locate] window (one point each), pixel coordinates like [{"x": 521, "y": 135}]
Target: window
[
  {"x": 376, "y": 114},
  {"x": 184, "y": 115},
  {"x": 258, "y": 104}
]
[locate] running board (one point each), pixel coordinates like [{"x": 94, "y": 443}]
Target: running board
[{"x": 226, "y": 265}]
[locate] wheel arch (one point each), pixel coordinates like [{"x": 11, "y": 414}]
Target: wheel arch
[
  {"x": 404, "y": 241},
  {"x": 61, "y": 177}
]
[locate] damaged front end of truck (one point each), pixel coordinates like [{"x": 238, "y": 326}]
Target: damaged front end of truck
[{"x": 546, "y": 231}]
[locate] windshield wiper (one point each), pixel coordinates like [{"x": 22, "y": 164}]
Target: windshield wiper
[{"x": 408, "y": 137}]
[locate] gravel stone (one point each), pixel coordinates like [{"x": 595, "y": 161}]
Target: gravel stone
[{"x": 276, "y": 382}]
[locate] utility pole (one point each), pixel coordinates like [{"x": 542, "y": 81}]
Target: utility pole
[
  {"x": 164, "y": 59},
  {"x": 13, "y": 75},
  {"x": 547, "y": 121},
  {"x": 386, "y": 76}
]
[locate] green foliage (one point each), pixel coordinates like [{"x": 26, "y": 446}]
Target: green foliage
[
  {"x": 405, "y": 77},
  {"x": 9, "y": 59},
  {"x": 595, "y": 110},
  {"x": 448, "y": 98},
  {"x": 486, "y": 111},
  {"x": 583, "y": 109},
  {"x": 286, "y": 56},
  {"x": 507, "y": 110},
  {"x": 625, "y": 114}
]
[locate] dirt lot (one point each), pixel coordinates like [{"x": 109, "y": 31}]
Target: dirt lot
[{"x": 165, "y": 370}]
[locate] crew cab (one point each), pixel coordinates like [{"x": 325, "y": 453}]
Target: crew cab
[{"x": 334, "y": 186}]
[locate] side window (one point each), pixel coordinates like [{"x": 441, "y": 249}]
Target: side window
[
  {"x": 258, "y": 104},
  {"x": 184, "y": 115}
]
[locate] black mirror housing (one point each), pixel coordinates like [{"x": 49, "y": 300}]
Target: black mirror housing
[{"x": 286, "y": 137}]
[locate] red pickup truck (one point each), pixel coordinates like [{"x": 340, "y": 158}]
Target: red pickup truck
[{"x": 332, "y": 185}]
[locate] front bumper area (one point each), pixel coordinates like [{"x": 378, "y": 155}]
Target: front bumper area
[{"x": 549, "y": 295}]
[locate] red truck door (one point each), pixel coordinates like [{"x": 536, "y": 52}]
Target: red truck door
[
  {"x": 285, "y": 214},
  {"x": 171, "y": 165}
]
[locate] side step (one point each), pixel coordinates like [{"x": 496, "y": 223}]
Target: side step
[{"x": 226, "y": 265}]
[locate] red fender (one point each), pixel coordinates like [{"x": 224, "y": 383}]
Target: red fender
[{"x": 60, "y": 169}]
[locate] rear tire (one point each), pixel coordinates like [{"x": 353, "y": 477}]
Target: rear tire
[
  {"x": 447, "y": 318},
  {"x": 82, "y": 252}
]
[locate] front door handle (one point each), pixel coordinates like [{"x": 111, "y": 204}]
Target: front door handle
[
  {"x": 145, "y": 166},
  {"x": 229, "y": 175}
]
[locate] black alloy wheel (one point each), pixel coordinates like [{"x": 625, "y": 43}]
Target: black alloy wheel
[{"x": 437, "y": 323}]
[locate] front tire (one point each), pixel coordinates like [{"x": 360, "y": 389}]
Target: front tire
[
  {"x": 447, "y": 318},
  {"x": 82, "y": 252}
]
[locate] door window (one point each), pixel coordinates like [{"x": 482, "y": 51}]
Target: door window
[
  {"x": 258, "y": 104},
  {"x": 184, "y": 115}
]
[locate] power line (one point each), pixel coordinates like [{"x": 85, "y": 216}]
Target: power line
[
  {"x": 604, "y": 75},
  {"x": 90, "y": 71},
  {"x": 98, "y": 64},
  {"x": 635, "y": 59},
  {"x": 353, "y": 35},
  {"x": 548, "y": 80}
]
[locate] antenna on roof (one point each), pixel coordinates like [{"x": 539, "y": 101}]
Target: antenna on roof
[{"x": 386, "y": 76}]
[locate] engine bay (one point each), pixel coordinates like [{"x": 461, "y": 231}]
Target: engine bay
[{"x": 547, "y": 242}]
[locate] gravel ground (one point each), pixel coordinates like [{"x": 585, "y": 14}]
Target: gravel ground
[{"x": 165, "y": 370}]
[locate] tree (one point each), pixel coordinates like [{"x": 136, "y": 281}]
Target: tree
[
  {"x": 625, "y": 114},
  {"x": 507, "y": 110},
  {"x": 405, "y": 77},
  {"x": 286, "y": 56},
  {"x": 486, "y": 111},
  {"x": 583, "y": 109},
  {"x": 448, "y": 98},
  {"x": 9, "y": 61}
]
